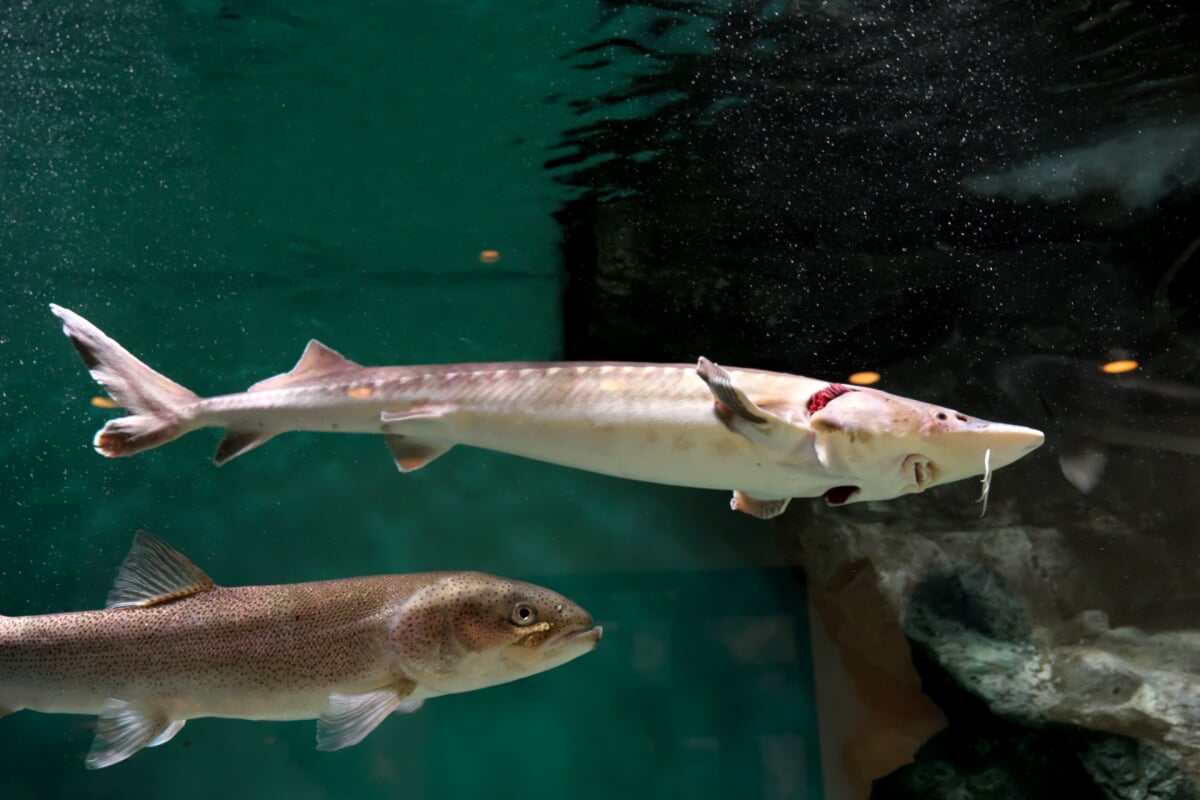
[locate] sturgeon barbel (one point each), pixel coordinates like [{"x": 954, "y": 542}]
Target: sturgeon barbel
[
  {"x": 769, "y": 436},
  {"x": 171, "y": 646}
]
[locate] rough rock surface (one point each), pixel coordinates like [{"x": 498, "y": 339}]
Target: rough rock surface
[{"x": 1016, "y": 618}]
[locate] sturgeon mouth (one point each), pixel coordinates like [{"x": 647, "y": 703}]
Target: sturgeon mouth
[{"x": 838, "y": 495}]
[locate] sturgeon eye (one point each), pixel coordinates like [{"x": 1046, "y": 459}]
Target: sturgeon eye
[{"x": 523, "y": 615}]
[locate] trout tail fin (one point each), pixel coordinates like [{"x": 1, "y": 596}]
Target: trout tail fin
[{"x": 156, "y": 402}]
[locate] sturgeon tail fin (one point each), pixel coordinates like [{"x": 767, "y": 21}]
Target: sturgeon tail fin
[{"x": 157, "y": 402}]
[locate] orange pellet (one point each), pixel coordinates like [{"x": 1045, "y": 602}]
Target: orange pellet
[
  {"x": 489, "y": 256},
  {"x": 865, "y": 378},
  {"x": 1124, "y": 365},
  {"x": 104, "y": 402}
]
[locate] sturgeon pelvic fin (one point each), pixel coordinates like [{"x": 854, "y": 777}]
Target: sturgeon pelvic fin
[
  {"x": 154, "y": 573},
  {"x": 123, "y": 729},
  {"x": 350, "y": 717},
  {"x": 763, "y": 509},
  {"x": 410, "y": 455},
  {"x": 158, "y": 403}
]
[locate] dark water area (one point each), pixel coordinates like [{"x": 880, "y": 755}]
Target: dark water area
[{"x": 981, "y": 201}]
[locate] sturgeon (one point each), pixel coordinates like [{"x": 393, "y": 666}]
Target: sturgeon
[
  {"x": 769, "y": 436},
  {"x": 171, "y": 646}
]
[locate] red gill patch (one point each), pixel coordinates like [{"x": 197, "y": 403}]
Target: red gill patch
[{"x": 821, "y": 399}]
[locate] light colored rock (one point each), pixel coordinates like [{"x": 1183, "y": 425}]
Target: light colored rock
[{"x": 1017, "y": 614}]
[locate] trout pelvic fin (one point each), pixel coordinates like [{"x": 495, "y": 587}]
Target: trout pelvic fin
[
  {"x": 154, "y": 573},
  {"x": 350, "y": 717}
]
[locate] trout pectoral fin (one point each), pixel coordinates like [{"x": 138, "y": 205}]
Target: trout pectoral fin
[
  {"x": 763, "y": 509},
  {"x": 123, "y": 729},
  {"x": 154, "y": 573},
  {"x": 350, "y": 717},
  {"x": 412, "y": 454}
]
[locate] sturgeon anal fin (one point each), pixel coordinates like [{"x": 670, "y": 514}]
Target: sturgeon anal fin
[
  {"x": 154, "y": 573},
  {"x": 236, "y": 443},
  {"x": 168, "y": 733},
  {"x": 412, "y": 454},
  {"x": 416, "y": 413},
  {"x": 731, "y": 401},
  {"x": 122, "y": 730},
  {"x": 350, "y": 717},
  {"x": 1081, "y": 464},
  {"x": 317, "y": 361},
  {"x": 763, "y": 509}
]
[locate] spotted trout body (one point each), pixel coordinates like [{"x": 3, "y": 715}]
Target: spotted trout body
[
  {"x": 171, "y": 646},
  {"x": 769, "y": 436}
]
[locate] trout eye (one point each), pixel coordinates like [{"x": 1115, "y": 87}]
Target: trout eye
[{"x": 523, "y": 615}]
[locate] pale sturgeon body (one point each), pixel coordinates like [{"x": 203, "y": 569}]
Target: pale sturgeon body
[
  {"x": 172, "y": 647},
  {"x": 769, "y": 436}
]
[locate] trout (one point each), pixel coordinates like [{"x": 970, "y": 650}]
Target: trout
[
  {"x": 171, "y": 646},
  {"x": 769, "y": 436}
]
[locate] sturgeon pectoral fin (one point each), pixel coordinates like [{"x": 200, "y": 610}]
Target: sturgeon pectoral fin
[
  {"x": 411, "y": 454},
  {"x": 237, "y": 443},
  {"x": 154, "y": 573},
  {"x": 122, "y": 730},
  {"x": 350, "y": 717},
  {"x": 729, "y": 398},
  {"x": 763, "y": 509}
]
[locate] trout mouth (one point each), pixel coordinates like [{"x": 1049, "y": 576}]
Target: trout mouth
[{"x": 595, "y": 633}]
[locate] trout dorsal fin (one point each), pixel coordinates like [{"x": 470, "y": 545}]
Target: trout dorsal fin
[
  {"x": 316, "y": 361},
  {"x": 154, "y": 573}
]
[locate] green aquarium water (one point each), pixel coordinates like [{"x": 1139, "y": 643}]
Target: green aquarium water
[{"x": 214, "y": 185}]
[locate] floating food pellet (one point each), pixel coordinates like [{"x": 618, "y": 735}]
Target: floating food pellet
[
  {"x": 104, "y": 402},
  {"x": 361, "y": 391},
  {"x": 489, "y": 256},
  {"x": 1116, "y": 367},
  {"x": 865, "y": 378}
]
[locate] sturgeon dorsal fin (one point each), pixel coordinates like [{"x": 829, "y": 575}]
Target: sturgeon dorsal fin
[
  {"x": 154, "y": 573},
  {"x": 316, "y": 361}
]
